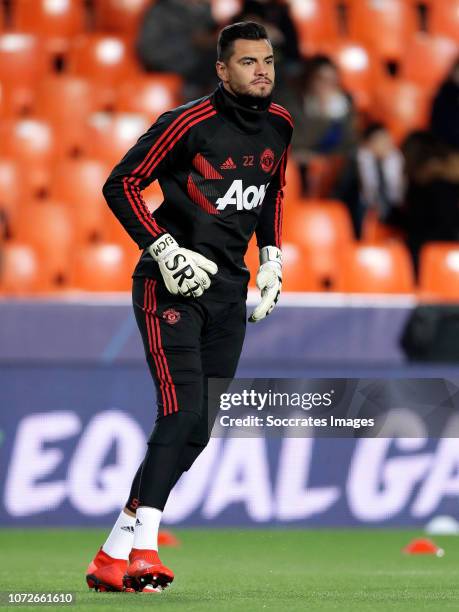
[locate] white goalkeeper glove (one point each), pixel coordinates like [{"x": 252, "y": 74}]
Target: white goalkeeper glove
[
  {"x": 184, "y": 272},
  {"x": 269, "y": 282}
]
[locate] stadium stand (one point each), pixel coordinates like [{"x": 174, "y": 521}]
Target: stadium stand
[{"x": 73, "y": 99}]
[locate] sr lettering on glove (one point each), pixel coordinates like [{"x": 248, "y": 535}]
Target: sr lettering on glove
[
  {"x": 184, "y": 272},
  {"x": 269, "y": 282}
]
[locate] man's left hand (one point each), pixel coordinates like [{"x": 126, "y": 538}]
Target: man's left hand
[{"x": 269, "y": 282}]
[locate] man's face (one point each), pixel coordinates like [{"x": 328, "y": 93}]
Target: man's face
[{"x": 250, "y": 69}]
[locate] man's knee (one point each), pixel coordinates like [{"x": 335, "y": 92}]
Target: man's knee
[
  {"x": 190, "y": 454},
  {"x": 173, "y": 429}
]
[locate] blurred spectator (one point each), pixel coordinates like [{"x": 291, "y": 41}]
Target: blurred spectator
[
  {"x": 431, "y": 211},
  {"x": 445, "y": 109},
  {"x": 276, "y": 18},
  {"x": 372, "y": 179},
  {"x": 180, "y": 36},
  {"x": 323, "y": 114}
]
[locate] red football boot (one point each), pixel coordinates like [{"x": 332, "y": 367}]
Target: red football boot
[
  {"x": 105, "y": 573},
  {"x": 146, "y": 573}
]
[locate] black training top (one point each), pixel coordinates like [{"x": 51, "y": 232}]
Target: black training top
[{"x": 221, "y": 166}]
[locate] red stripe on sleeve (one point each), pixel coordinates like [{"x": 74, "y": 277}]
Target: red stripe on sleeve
[{"x": 174, "y": 125}]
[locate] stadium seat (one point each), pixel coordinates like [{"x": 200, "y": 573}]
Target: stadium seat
[
  {"x": 27, "y": 139},
  {"x": 296, "y": 272},
  {"x": 444, "y": 18},
  {"x": 23, "y": 62},
  {"x": 439, "y": 271},
  {"x": 316, "y": 22},
  {"x": 296, "y": 275},
  {"x": 382, "y": 26},
  {"x": 101, "y": 267},
  {"x": 323, "y": 228},
  {"x": 224, "y": 10},
  {"x": 356, "y": 70},
  {"x": 64, "y": 97},
  {"x": 109, "y": 136},
  {"x": 11, "y": 190},
  {"x": 402, "y": 105},
  {"x": 56, "y": 21},
  {"x": 427, "y": 59},
  {"x": 119, "y": 16},
  {"x": 375, "y": 268},
  {"x": 66, "y": 102},
  {"x": 19, "y": 270},
  {"x": 151, "y": 94},
  {"x": 103, "y": 57},
  {"x": 322, "y": 173},
  {"x": 47, "y": 226},
  {"x": 31, "y": 143},
  {"x": 106, "y": 59},
  {"x": 373, "y": 230},
  {"x": 78, "y": 183},
  {"x": 293, "y": 187}
]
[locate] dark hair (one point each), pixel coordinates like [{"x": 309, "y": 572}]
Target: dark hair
[
  {"x": 313, "y": 64},
  {"x": 247, "y": 30},
  {"x": 372, "y": 129}
]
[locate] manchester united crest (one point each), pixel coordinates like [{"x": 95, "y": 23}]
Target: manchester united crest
[
  {"x": 267, "y": 160},
  {"x": 171, "y": 316}
]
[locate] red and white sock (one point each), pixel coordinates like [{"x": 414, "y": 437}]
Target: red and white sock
[
  {"x": 147, "y": 528},
  {"x": 119, "y": 543}
]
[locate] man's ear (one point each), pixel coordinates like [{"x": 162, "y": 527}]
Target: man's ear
[{"x": 222, "y": 71}]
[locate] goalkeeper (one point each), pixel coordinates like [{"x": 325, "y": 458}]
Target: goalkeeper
[{"x": 220, "y": 162}]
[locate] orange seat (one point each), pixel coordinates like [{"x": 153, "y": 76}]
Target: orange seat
[
  {"x": 444, "y": 18},
  {"x": 293, "y": 186},
  {"x": 149, "y": 94},
  {"x": 322, "y": 173},
  {"x": 23, "y": 62},
  {"x": 402, "y": 105},
  {"x": 79, "y": 183},
  {"x": 375, "y": 268},
  {"x": 322, "y": 228},
  {"x": 428, "y": 59},
  {"x": 121, "y": 16},
  {"x": 27, "y": 139},
  {"x": 106, "y": 58},
  {"x": 56, "y": 21},
  {"x": 47, "y": 226},
  {"x": 223, "y": 11},
  {"x": 382, "y": 26},
  {"x": 439, "y": 271},
  {"x": 296, "y": 275},
  {"x": 356, "y": 70},
  {"x": 11, "y": 191},
  {"x": 101, "y": 267},
  {"x": 19, "y": 270},
  {"x": 66, "y": 102},
  {"x": 31, "y": 143},
  {"x": 109, "y": 136},
  {"x": 316, "y": 21}
]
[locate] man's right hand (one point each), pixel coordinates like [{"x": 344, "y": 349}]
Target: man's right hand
[{"x": 184, "y": 272}]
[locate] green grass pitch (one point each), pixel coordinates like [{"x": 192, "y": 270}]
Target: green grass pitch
[{"x": 247, "y": 570}]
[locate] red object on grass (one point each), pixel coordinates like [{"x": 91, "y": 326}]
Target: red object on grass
[
  {"x": 423, "y": 546},
  {"x": 167, "y": 538}
]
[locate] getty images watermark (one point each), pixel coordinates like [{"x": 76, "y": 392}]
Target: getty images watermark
[{"x": 334, "y": 407}]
